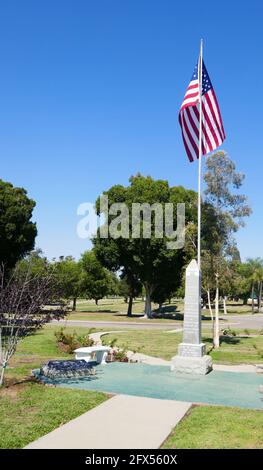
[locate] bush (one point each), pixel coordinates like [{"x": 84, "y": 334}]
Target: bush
[
  {"x": 120, "y": 356},
  {"x": 228, "y": 332},
  {"x": 68, "y": 342}
]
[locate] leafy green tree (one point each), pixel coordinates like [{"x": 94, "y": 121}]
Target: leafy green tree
[
  {"x": 70, "y": 278},
  {"x": 17, "y": 231},
  {"x": 147, "y": 258},
  {"x": 97, "y": 282}
]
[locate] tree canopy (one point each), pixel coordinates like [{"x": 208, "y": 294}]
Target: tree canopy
[{"x": 17, "y": 231}]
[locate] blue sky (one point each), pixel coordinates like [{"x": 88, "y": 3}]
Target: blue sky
[{"x": 90, "y": 93}]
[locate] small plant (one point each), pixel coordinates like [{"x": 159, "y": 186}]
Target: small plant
[
  {"x": 247, "y": 332},
  {"x": 112, "y": 343},
  {"x": 68, "y": 342},
  {"x": 120, "y": 356},
  {"x": 228, "y": 332}
]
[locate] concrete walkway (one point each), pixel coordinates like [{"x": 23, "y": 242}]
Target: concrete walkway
[{"x": 122, "y": 422}]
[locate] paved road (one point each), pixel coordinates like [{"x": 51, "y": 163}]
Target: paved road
[{"x": 254, "y": 322}]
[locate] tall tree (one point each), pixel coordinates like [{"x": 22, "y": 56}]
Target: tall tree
[
  {"x": 147, "y": 258},
  {"x": 222, "y": 182},
  {"x": 70, "y": 277},
  {"x": 17, "y": 231},
  {"x": 97, "y": 282}
]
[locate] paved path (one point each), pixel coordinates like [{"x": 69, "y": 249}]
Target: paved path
[
  {"x": 254, "y": 322},
  {"x": 122, "y": 422}
]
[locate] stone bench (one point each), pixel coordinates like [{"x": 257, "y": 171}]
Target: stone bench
[{"x": 97, "y": 353}]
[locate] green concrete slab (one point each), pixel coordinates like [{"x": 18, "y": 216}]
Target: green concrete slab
[{"x": 218, "y": 387}]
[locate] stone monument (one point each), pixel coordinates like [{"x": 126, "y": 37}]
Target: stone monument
[{"x": 191, "y": 357}]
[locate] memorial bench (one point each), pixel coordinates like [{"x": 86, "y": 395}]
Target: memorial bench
[{"x": 91, "y": 353}]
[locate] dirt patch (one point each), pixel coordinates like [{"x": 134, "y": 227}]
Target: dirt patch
[
  {"x": 64, "y": 348},
  {"x": 25, "y": 359},
  {"x": 12, "y": 390}
]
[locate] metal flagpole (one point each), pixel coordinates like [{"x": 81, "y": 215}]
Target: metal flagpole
[{"x": 200, "y": 74}]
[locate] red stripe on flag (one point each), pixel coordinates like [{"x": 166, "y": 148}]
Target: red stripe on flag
[
  {"x": 211, "y": 128},
  {"x": 189, "y": 135},
  {"x": 196, "y": 111},
  {"x": 219, "y": 114},
  {"x": 189, "y": 154},
  {"x": 219, "y": 128},
  {"x": 195, "y": 129}
]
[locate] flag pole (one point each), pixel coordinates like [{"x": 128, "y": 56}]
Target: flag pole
[{"x": 200, "y": 73}]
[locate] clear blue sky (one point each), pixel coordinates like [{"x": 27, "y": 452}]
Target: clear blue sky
[{"x": 90, "y": 92}]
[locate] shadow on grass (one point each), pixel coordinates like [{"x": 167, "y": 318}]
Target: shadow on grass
[
  {"x": 225, "y": 340},
  {"x": 95, "y": 311},
  {"x": 134, "y": 315}
]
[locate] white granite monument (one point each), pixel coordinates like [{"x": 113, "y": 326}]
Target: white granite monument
[{"x": 191, "y": 357}]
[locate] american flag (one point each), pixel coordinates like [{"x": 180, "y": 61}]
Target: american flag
[{"x": 213, "y": 133}]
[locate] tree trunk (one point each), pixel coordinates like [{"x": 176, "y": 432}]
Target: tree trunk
[
  {"x": 148, "y": 302},
  {"x": 224, "y": 303},
  {"x": 2, "y": 374},
  {"x": 253, "y": 302},
  {"x": 74, "y": 305},
  {"x": 216, "y": 341},
  {"x": 129, "y": 311},
  {"x": 97, "y": 301},
  {"x": 210, "y": 308},
  {"x": 260, "y": 296}
]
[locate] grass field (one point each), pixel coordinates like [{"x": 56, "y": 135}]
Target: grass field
[
  {"x": 30, "y": 410},
  {"x": 116, "y": 309},
  {"x": 38, "y": 349},
  {"x": 214, "y": 427},
  {"x": 236, "y": 350}
]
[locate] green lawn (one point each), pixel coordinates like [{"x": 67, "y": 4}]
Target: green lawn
[
  {"x": 164, "y": 344},
  {"x": 214, "y": 427},
  {"x": 29, "y": 410},
  {"x": 38, "y": 349},
  {"x": 116, "y": 309}
]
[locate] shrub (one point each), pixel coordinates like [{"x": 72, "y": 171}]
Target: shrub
[
  {"x": 68, "y": 342},
  {"x": 229, "y": 332},
  {"x": 120, "y": 356}
]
